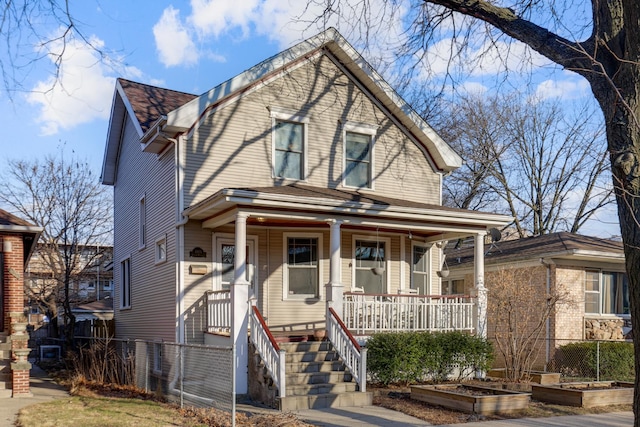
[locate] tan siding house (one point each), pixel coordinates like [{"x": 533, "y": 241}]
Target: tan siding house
[
  {"x": 589, "y": 271},
  {"x": 313, "y": 164}
]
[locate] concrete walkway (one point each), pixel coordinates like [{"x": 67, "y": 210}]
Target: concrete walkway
[{"x": 43, "y": 389}]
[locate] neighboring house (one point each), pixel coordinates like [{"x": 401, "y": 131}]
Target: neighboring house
[
  {"x": 92, "y": 279},
  {"x": 94, "y": 319},
  {"x": 17, "y": 239},
  {"x": 312, "y": 164},
  {"x": 591, "y": 270}
]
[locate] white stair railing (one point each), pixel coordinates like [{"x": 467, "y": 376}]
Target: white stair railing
[
  {"x": 353, "y": 356},
  {"x": 272, "y": 355}
]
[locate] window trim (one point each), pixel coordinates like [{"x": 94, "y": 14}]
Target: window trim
[
  {"x": 362, "y": 129},
  {"x": 125, "y": 283},
  {"x": 429, "y": 267},
  {"x": 142, "y": 222},
  {"x": 159, "y": 241},
  {"x": 599, "y": 293},
  {"x": 387, "y": 262},
  {"x": 285, "y": 266},
  {"x": 284, "y": 115}
]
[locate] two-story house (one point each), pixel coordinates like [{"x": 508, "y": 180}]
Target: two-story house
[{"x": 314, "y": 166}]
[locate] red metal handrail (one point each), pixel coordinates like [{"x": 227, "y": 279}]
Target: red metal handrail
[
  {"x": 266, "y": 328},
  {"x": 344, "y": 328}
]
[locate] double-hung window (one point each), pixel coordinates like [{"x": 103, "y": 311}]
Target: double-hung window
[
  {"x": 143, "y": 222},
  {"x": 289, "y": 145},
  {"x": 606, "y": 292},
  {"x": 302, "y": 274},
  {"x": 370, "y": 260},
  {"x": 420, "y": 268},
  {"x": 358, "y": 155},
  {"x": 125, "y": 283}
]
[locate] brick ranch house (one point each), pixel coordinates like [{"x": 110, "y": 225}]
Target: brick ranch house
[
  {"x": 17, "y": 241},
  {"x": 327, "y": 179},
  {"x": 591, "y": 270}
]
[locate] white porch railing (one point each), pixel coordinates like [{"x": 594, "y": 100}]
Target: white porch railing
[
  {"x": 218, "y": 311},
  {"x": 353, "y": 356},
  {"x": 368, "y": 313},
  {"x": 272, "y": 356}
]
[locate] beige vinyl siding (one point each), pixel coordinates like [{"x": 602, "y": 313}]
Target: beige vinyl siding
[
  {"x": 153, "y": 311},
  {"x": 291, "y": 314},
  {"x": 233, "y": 145},
  {"x": 195, "y": 285}
]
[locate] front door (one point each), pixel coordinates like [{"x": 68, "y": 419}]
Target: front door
[{"x": 225, "y": 261}]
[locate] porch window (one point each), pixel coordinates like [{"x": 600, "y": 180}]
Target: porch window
[
  {"x": 606, "y": 292},
  {"x": 125, "y": 283},
  {"x": 302, "y": 272},
  {"x": 370, "y": 266},
  {"x": 289, "y": 136},
  {"x": 358, "y": 155},
  {"x": 453, "y": 287},
  {"x": 420, "y": 269}
]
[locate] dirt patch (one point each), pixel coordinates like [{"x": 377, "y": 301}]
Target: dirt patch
[{"x": 398, "y": 398}]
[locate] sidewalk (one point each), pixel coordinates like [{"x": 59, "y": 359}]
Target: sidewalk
[{"x": 43, "y": 389}]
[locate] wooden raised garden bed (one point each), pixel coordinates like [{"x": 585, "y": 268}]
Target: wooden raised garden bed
[
  {"x": 537, "y": 377},
  {"x": 585, "y": 394},
  {"x": 471, "y": 399}
]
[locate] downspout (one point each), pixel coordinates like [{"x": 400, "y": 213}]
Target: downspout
[
  {"x": 547, "y": 264},
  {"x": 180, "y": 222}
]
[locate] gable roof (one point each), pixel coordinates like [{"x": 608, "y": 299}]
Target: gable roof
[
  {"x": 553, "y": 245},
  {"x": 161, "y": 114}
]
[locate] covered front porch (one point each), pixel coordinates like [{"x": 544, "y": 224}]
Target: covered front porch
[{"x": 334, "y": 260}]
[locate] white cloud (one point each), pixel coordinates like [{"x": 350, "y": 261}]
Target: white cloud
[
  {"x": 173, "y": 40},
  {"x": 567, "y": 89},
  {"x": 214, "y": 17},
  {"x": 81, "y": 93}
]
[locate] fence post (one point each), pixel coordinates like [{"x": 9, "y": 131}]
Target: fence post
[
  {"x": 598, "y": 361},
  {"x": 181, "y": 362}
]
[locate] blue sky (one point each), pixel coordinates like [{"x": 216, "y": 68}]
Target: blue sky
[{"x": 192, "y": 46}]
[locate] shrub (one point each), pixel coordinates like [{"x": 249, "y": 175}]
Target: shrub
[
  {"x": 405, "y": 357},
  {"x": 581, "y": 359}
]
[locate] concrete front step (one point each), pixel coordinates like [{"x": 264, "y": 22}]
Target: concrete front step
[
  {"x": 306, "y": 346},
  {"x": 326, "y": 400},
  {"x": 307, "y": 367},
  {"x": 294, "y": 378},
  {"x": 311, "y": 356},
  {"x": 308, "y": 389}
]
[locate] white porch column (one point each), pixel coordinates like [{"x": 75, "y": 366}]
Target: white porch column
[
  {"x": 480, "y": 290},
  {"x": 334, "y": 288},
  {"x": 240, "y": 305}
]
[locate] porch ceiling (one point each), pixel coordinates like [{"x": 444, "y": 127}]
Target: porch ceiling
[{"x": 300, "y": 205}]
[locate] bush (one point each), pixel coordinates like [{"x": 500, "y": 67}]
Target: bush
[
  {"x": 581, "y": 360},
  {"x": 406, "y": 357}
]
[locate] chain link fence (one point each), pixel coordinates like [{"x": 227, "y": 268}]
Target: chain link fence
[
  {"x": 188, "y": 375},
  {"x": 582, "y": 360}
]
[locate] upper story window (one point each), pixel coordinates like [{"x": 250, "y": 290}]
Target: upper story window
[
  {"x": 289, "y": 145},
  {"x": 606, "y": 292},
  {"x": 358, "y": 155}
]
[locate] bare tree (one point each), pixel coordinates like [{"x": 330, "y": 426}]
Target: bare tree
[
  {"x": 64, "y": 198},
  {"x": 518, "y": 314},
  {"x": 528, "y": 159},
  {"x": 596, "y": 39},
  {"x": 28, "y": 24}
]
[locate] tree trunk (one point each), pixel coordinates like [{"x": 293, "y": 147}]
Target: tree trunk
[{"x": 621, "y": 113}]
